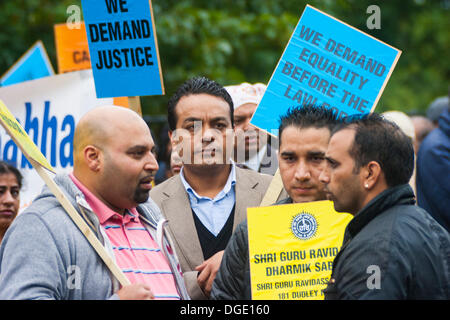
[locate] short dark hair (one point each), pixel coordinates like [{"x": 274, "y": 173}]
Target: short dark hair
[
  {"x": 378, "y": 139},
  {"x": 197, "y": 85},
  {"x": 6, "y": 168},
  {"x": 308, "y": 116}
]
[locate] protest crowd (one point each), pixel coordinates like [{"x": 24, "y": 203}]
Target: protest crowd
[{"x": 171, "y": 213}]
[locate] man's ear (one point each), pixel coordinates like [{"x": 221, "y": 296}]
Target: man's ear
[
  {"x": 372, "y": 175},
  {"x": 93, "y": 158}
]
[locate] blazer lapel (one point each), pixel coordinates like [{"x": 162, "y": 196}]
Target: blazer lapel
[
  {"x": 178, "y": 212},
  {"x": 246, "y": 196}
]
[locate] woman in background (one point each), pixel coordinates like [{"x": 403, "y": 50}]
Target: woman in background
[{"x": 10, "y": 185}]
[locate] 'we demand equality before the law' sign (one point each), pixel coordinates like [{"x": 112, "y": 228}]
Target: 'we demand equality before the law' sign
[{"x": 330, "y": 63}]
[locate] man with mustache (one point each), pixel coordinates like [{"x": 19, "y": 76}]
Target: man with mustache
[
  {"x": 209, "y": 197},
  {"x": 254, "y": 149},
  {"x": 45, "y": 256},
  {"x": 304, "y": 133},
  {"x": 392, "y": 248}
]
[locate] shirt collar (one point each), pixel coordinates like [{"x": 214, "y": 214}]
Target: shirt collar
[
  {"x": 399, "y": 195},
  {"x": 231, "y": 181},
  {"x": 102, "y": 211}
]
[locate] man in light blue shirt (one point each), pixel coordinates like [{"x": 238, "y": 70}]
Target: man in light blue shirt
[
  {"x": 213, "y": 213},
  {"x": 210, "y": 196}
]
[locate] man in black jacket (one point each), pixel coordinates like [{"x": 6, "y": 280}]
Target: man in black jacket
[
  {"x": 304, "y": 133},
  {"x": 392, "y": 249}
]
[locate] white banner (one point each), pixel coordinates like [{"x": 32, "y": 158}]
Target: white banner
[{"x": 48, "y": 109}]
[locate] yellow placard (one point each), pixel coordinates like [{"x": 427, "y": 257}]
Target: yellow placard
[
  {"x": 21, "y": 138},
  {"x": 72, "y": 51},
  {"x": 292, "y": 248}
]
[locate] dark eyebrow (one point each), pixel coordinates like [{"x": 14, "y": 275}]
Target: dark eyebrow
[
  {"x": 287, "y": 153},
  {"x": 316, "y": 154},
  {"x": 219, "y": 119},
  {"x": 331, "y": 161},
  {"x": 191, "y": 119},
  {"x": 14, "y": 187},
  {"x": 137, "y": 148}
]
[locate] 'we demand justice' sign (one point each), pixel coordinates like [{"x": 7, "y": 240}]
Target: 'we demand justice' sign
[{"x": 123, "y": 47}]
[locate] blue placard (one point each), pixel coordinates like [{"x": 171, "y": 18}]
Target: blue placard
[
  {"x": 122, "y": 47},
  {"x": 329, "y": 63},
  {"x": 34, "y": 64}
]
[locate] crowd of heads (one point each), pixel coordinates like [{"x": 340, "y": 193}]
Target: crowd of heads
[
  {"x": 351, "y": 161},
  {"x": 209, "y": 124},
  {"x": 241, "y": 101},
  {"x": 391, "y": 140}
]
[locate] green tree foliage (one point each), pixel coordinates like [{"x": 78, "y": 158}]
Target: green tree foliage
[
  {"x": 233, "y": 41},
  {"x": 23, "y": 22},
  {"x": 421, "y": 29}
]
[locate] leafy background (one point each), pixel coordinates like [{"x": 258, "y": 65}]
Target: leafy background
[{"x": 232, "y": 41}]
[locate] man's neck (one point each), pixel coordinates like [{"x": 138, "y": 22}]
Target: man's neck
[
  {"x": 209, "y": 180},
  {"x": 370, "y": 195},
  {"x": 89, "y": 186}
]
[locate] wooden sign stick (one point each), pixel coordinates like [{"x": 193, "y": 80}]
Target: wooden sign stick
[
  {"x": 80, "y": 223},
  {"x": 34, "y": 156},
  {"x": 274, "y": 190},
  {"x": 135, "y": 104}
]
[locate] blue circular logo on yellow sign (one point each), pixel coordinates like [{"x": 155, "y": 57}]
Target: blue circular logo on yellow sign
[{"x": 304, "y": 226}]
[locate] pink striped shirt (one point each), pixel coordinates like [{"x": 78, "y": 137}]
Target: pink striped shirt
[{"x": 136, "y": 252}]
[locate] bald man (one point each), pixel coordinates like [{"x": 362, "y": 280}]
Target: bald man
[{"x": 45, "y": 256}]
